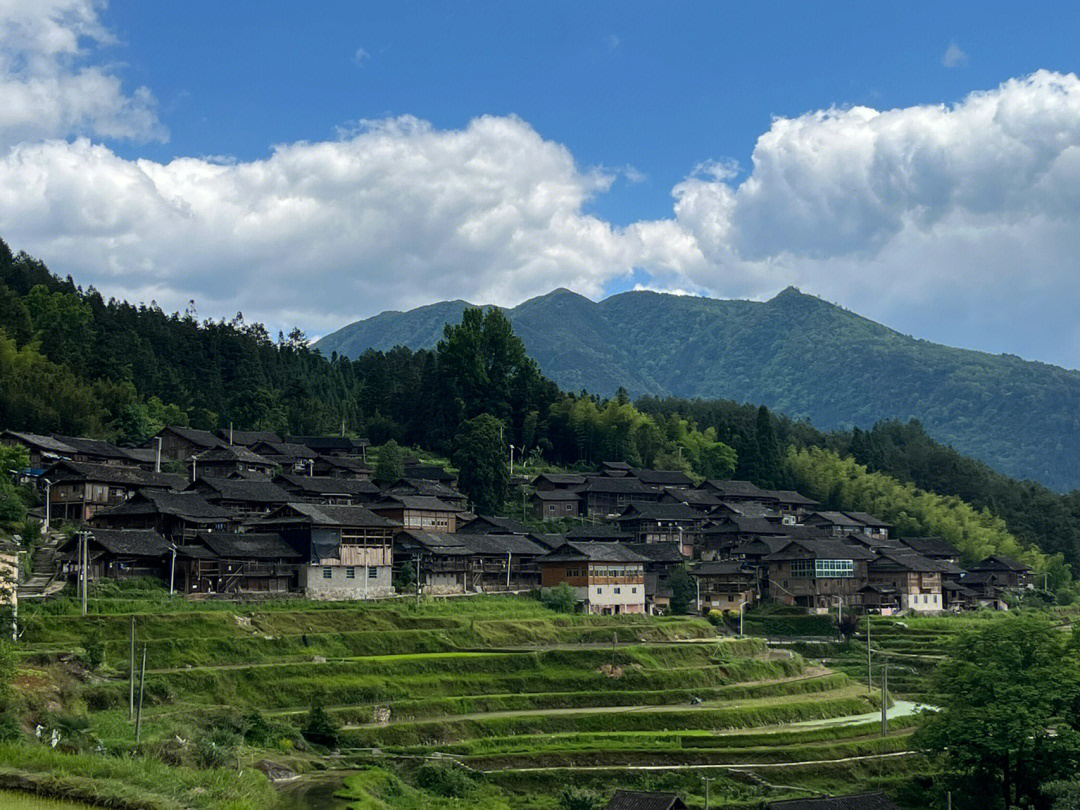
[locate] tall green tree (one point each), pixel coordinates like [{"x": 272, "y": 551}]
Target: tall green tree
[
  {"x": 480, "y": 456},
  {"x": 1008, "y": 720},
  {"x": 390, "y": 466}
]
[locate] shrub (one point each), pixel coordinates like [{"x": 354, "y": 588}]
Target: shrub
[
  {"x": 716, "y": 618},
  {"x": 448, "y": 781},
  {"x": 94, "y": 648},
  {"x": 320, "y": 729},
  {"x": 577, "y": 798},
  {"x": 561, "y": 598},
  {"x": 406, "y": 578}
]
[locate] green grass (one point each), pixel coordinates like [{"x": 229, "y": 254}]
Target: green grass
[{"x": 25, "y": 801}]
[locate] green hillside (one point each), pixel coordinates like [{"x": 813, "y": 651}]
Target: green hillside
[{"x": 799, "y": 355}]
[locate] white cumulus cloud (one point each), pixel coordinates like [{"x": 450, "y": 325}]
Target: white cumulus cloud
[{"x": 48, "y": 88}]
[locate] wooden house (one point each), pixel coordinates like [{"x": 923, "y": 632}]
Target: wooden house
[
  {"x": 554, "y": 481},
  {"x": 430, "y": 472},
  {"x": 44, "y": 451},
  {"x": 725, "y": 584},
  {"x": 118, "y": 554},
  {"x": 341, "y": 467},
  {"x": 1008, "y": 572},
  {"x": 181, "y": 443},
  {"x": 915, "y": 579},
  {"x": 448, "y": 563},
  {"x": 287, "y": 456},
  {"x": 716, "y": 541},
  {"x": 661, "y": 561},
  {"x": 418, "y": 512},
  {"x": 346, "y": 551},
  {"x": 234, "y": 563},
  {"x": 737, "y": 491},
  {"x": 607, "y": 578},
  {"x": 79, "y": 490},
  {"x": 555, "y": 504},
  {"x": 177, "y": 516},
  {"x": 834, "y": 524},
  {"x": 609, "y": 495},
  {"x": 815, "y": 574},
  {"x": 662, "y": 523},
  {"x": 615, "y": 469},
  {"x": 793, "y": 506},
  {"x": 229, "y": 460},
  {"x": 873, "y": 526}
]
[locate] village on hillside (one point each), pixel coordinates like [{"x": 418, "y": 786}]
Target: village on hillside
[{"x": 254, "y": 514}]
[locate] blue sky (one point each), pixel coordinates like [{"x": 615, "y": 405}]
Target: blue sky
[
  {"x": 314, "y": 163},
  {"x": 656, "y": 86}
]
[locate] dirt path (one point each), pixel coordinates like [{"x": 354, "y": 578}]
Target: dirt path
[{"x": 733, "y": 768}]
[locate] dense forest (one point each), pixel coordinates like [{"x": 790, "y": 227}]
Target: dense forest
[
  {"x": 73, "y": 362},
  {"x": 797, "y": 354}
]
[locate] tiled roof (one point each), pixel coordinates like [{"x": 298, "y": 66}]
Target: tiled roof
[
  {"x": 657, "y": 552},
  {"x": 127, "y": 542},
  {"x": 249, "y": 545},
  {"x": 327, "y": 485},
  {"x": 593, "y": 552},
  {"x": 645, "y": 800},
  {"x": 202, "y": 438},
  {"x": 663, "y": 478},
  {"x": 112, "y": 474},
  {"x": 821, "y": 550},
  {"x": 242, "y": 489},
  {"x": 333, "y": 515},
  {"x": 230, "y": 452},
  {"x": 556, "y": 495},
  {"x": 490, "y": 524},
  {"x": 861, "y": 801},
  {"x": 660, "y": 511}
]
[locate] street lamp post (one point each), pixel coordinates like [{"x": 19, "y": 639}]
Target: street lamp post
[
  {"x": 742, "y": 604},
  {"x": 48, "y": 506}
]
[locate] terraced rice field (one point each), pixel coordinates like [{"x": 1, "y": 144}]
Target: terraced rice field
[{"x": 521, "y": 700}]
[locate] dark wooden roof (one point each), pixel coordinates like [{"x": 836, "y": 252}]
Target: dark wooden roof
[
  {"x": 645, "y": 800},
  {"x": 112, "y": 474},
  {"x": 490, "y": 524},
  {"x": 860, "y": 801},
  {"x": 248, "y": 437},
  {"x": 835, "y": 519},
  {"x": 562, "y": 479},
  {"x": 593, "y": 552},
  {"x": 931, "y": 547},
  {"x": 598, "y": 531},
  {"x": 329, "y": 515},
  {"x": 737, "y": 489},
  {"x": 324, "y": 443},
  {"x": 324, "y": 485},
  {"x": 820, "y": 550},
  {"x": 998, "y": 562},
  {"x": 663, "y": 478},
  {"x": 200, "y": 438},
  {"x": 242, "y": 489},
  {"x": 94, "y": 447},
  {"x": 231, "y": 453},
  {"x": 619, "y": 486},
  {"x": 48, "y": 443},
  {"x": 659, "y": 511},
  {"x": 249, "y": 545},
  {"x": 126, "y": 542},
  {"x": 719, "y": 568},
  {"x": 657, "y": 552},
  {"x": 868, "y": 520},
  {"x": 556, "y": 495},
  {"x": 190, "y": 506},
  {"x": 424, "y": 503}
]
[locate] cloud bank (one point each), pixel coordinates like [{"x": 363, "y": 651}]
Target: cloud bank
[{"x": 959, "y": 223}]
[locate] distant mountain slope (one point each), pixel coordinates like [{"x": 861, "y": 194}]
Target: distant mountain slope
[{"x": 797, "y": 354}]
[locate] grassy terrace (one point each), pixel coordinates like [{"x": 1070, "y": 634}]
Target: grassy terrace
[{"x": 512, "y": 692}]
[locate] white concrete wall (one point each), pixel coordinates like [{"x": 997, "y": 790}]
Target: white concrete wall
[{"x": 340, "y": 587}]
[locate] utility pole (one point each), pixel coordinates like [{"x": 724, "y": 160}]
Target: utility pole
[
  {"x": 48, "y": 508},
  {"x": 131, "y": 674},
  {"x": 707, "y": 780},
  {"x": 614, "y": 641},
  {"x": 142, "y": 689},
  {"x": 157, "y": 454},
  {"x": 84, "y": 547},
  {"x": 885, "y": 695},
  {"x": 869, "y": 682}
]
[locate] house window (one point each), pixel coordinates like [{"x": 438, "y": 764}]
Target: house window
[
  {"x": 327, "y": 572},
  {"x": 350, "y": 572},
  {"x": 617, "y": 590},
  {"x": 633, "y": 590},
  {"x": 372, "y": 572}
]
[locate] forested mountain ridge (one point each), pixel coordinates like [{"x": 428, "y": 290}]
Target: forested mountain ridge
[{"x": 796, "y": 353}]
